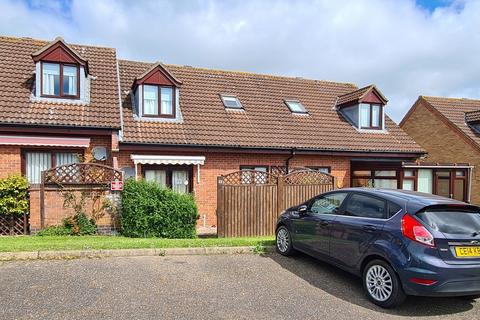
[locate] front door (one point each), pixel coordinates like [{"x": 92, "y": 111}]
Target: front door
[{"x": 312, "y": 229}]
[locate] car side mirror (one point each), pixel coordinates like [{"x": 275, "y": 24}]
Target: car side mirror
[{"x": 302, "y": 209}]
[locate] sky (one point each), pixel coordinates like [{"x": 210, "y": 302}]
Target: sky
[{"x": 406, "y": 48}]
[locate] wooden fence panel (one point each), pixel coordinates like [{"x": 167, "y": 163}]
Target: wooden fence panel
[{"x": 249, "y": 202}]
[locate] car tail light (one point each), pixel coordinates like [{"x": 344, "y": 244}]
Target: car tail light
[
  {"x": 425, "y": 282},
  {"x": 414, "y": 230}
]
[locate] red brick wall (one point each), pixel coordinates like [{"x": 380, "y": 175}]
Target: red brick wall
[
  {"x": 11, "y": 162},
  {"x": 217, "y": 164}
]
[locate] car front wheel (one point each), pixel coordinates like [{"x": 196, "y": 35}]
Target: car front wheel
[
  {"x": 284, "y": 241},
  {"x": 382, "y": 285}
]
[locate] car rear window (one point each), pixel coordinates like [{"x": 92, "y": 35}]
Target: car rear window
[{"x": 462, "y": 221}]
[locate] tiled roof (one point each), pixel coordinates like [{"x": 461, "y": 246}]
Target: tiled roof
[
  {"x": 16, "y": 84},
  {"x": 455, "y": 111},
  {"x": 353, "y": 95},
  {"x": 266, "y": 121},
  {"x": 472, "y": 116}
]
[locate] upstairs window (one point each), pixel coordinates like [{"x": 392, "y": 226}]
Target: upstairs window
[
  {"x": 60, "y": 80},
  {"x": 231, "y": 102},
  {"x": 295, "y": 106},
  {"x": 158, "y": 101},
  {"x": 371, "y": 116}
]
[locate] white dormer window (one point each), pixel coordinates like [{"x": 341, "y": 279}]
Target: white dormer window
[
  {"x": 371, "y": 116},
  {"x": 295, "y": 106},
  {"x": 231, "y": 102}
]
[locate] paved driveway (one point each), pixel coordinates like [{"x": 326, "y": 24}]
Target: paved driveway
[{"x": 199, "y": 287}]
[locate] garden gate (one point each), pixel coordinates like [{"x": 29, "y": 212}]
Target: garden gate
[{"x": 249, "y": 201}]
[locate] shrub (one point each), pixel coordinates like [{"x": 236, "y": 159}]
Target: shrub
[
  {"x": 151, "y": 211},
  {"x": 80, "y": 225},
  {"x": 77, "y": 225},
  {"x": 54, "y": 231},
  {"x": 13, "y": 196}
]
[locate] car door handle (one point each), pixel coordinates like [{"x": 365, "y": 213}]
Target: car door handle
[
  {"x": 324, "y": 223},
  {"x": 369, "y": 228}
]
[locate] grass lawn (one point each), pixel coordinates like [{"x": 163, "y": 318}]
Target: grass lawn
[{"x": 36, "y": 243}]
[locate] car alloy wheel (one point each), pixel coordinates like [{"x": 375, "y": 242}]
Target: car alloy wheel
[
  {"x": 284, "y": 241},
  {"x": 382, "y": 285},
  {"x": 379, "y": 283}
]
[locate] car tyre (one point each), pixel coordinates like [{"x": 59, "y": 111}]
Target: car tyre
[
  {"x": 382, "y": 285},
  {"x": 283, "y": 241}
]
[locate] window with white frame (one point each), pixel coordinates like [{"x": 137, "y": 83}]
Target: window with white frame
[
  {"x": 295, "y": 106},
  {"x": 231, "y": 102}
]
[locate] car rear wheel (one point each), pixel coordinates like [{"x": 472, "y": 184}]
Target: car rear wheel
[
  {"x": 284, "y": 241},
  {"x": 381, "y": 284}
]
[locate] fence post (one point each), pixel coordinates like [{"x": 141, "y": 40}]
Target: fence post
[
  {"x": 280, "y": 193},
  {"x": 334, "y": 181},
  {"x": 220, "y": 209},
  {"x": 42, "y": 201}
]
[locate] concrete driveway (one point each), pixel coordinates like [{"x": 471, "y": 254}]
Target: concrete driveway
[{"x": 199, "y": 287}]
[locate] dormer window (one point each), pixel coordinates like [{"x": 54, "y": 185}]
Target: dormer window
[
  {"x": 59, "y": 80},
  {"x": 371, "y": 116},
  {"x": 295, "y": 106},
  {"x": 231, "y": 102},
  {"x": 61, "y": 73},
  {"x": 158, "y": 101},
  {"x": 363, "y": 108}
]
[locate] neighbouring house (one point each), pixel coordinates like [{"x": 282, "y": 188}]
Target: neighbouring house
[
  {"x": 183, "y": 126},
  {"x": 449, "y": 130}
]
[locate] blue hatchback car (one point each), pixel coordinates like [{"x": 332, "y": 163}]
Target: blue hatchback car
[{"x": 400, "y": 242}]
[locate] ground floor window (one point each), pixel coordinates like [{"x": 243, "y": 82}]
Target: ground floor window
[
  {"x": 35, "y": 162},
  {"x": 253, "y": 174},
  {"x": 450, "y": 182},
  {"x": 178, "y": 178}
]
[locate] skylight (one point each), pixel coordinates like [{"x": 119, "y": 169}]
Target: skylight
[
  {"x": 295, "y": 106},
  {"x": 231, "y": 102}
]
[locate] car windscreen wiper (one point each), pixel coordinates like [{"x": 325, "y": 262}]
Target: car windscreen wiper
[{"x": 476, "y": 233}]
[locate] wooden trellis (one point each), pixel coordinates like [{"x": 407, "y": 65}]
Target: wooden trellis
[{"x": 13, "y": 225}]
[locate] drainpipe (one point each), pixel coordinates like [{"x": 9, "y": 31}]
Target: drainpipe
[{"x": 287, "y": 162}]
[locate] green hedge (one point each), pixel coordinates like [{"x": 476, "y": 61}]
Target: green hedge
[
  {"x": 151, "y": 211},
  {"x": 13, "y": 196}
]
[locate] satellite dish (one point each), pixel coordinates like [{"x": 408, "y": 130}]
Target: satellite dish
[{"x": 99, "y": 153}]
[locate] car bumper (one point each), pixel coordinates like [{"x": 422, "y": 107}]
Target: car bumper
[{"x": 451, "y": 280}]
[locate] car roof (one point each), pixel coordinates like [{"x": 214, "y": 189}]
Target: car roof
[{"x": 420, "y": 198}]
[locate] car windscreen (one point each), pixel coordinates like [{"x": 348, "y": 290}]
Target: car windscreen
[{"x": 459, "y": 221}]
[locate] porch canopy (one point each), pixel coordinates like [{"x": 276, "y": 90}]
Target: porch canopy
[
  {"x": 44, "y": 141},
  {"x": 168, "y": 160}
]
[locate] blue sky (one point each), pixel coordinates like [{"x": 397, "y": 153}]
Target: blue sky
[{"x": 406, "y": 47}]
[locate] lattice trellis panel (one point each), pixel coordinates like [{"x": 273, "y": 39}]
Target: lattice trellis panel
[
  {"x": 244, "y": 177},
  {"x": 82, "y": 173},
  {"x": 12, "y": 225},
  {"x": 307, "y": 177}
]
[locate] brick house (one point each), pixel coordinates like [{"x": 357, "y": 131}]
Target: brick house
[
  {"x": 183, "y": 126},
  {"x": 449, "y": 130}
]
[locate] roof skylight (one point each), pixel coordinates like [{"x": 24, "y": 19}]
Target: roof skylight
[
  {"x": 295, "y": 106},
  {"x": 231, "y": 102}
]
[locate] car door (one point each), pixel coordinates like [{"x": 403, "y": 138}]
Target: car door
[
  {"x": 363, "y": 218},
  {"x": 312, "y": 229}
]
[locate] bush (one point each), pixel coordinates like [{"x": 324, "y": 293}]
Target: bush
[
  {"x": 54, "y": 231},
  {"x": 77, "y": 225},
  {"x": 80, "y": 225},
  {"x": 151, "y": 211},
  {"x": 13, "y": 196}
]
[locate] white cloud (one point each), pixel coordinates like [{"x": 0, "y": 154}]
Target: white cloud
[{"x": 405, "y": 50}]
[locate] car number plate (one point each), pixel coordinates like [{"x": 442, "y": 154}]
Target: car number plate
[{"x": 467, "y": 251}]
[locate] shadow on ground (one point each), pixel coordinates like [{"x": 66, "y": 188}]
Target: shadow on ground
[{"x": 348, "y": 287}]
